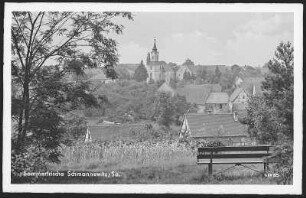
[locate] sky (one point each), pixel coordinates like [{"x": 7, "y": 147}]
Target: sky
[{"x": 205, "y": 38}]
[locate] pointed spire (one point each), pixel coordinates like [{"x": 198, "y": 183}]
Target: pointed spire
[{"x": 154, "y": 47}]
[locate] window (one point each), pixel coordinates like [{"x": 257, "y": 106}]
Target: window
[{"x": 220, "y": 106}]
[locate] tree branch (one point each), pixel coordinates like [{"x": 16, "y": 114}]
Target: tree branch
[{"x": 17, "y": 49}]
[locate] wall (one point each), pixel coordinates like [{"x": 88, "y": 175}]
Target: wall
[{"x": 215, "y": 108}]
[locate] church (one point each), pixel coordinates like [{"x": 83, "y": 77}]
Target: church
[{"x": 158, "y": 70}]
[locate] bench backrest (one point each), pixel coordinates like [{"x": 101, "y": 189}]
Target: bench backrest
[{"x": 234, "y": 154}]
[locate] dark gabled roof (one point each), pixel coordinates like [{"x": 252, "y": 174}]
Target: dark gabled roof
[
  {"x": 195, "y": 93},
  {"x": 212, "y": 125},
  {"x": 217, "y": 98},
  {"x": 235, "y": 94}
]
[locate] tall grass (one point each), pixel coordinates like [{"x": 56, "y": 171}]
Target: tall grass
[
  {"x": 121, "y": 155},
  {"x": 166, "y": 161}
]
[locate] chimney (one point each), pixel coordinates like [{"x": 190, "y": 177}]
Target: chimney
[
  {"x": 254, "y": 90},
  {"x": 235, "y": 114}
]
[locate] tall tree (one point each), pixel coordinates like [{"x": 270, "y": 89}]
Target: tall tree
[
  {"x": 202, "y": 74},
  {"x": 141, "y": 73},
  {"x": 188, "y": 62},
  {"x": 217, "y": 75},
  {"x": 60, "y": 39},
  {"x": 187, "y": 76},
  {"x": 278, "y": 86},
  {"x": 270, "y": 117},
  {"x": 168, "y": 109}
]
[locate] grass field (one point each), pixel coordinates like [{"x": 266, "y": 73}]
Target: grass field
[{"x": 164, "y": 162}]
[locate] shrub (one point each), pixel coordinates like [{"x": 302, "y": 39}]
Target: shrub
[{"x": 31, "y": 161}]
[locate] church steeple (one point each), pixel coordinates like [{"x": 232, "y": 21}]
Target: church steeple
[
  {"x": 154, "y": 47},
  {"x": 154, "y": 53}
]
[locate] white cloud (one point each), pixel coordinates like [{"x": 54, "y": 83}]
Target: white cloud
[{"x": 255, "y": 42}]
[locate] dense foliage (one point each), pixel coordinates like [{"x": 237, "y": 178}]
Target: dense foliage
[
  {"x": 45, "y": 47},
  {"x": 188, "y": 62},
  {"x": 131, "y": 101},
  {"x": 141, "y": 73},
  {"x": 270, "y": 117}
]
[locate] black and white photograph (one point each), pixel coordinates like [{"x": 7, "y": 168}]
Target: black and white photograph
[{"x": 112, "y": 98}]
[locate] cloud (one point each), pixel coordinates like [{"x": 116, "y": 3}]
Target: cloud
[
  {"x": 269, "y": 26},
  {"x": 196, "y": 45},
  {"x": 255, "y": 42}
]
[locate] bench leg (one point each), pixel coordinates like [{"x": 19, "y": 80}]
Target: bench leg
[
  {"x": 265, "y": 167},
  {"x": 210, "y": 169}
]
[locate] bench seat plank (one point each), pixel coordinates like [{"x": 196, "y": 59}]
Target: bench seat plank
[
  {"x": 233, "y": 161},
  {"x": 235, "y": 148},
  {"x": 236, "y": 155}
]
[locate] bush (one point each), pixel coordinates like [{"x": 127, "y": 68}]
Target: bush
[{"x": 31, "y": 161}]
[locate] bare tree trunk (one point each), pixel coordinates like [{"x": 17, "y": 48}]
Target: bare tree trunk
[
  {"x": 24, "y": 114},
  {"x": 26, "y": 111}
]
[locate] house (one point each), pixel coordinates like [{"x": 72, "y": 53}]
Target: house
[
  {"x": 165, "y": 87},
  {"x": 217, "y": 102},
  {"x": 238, "y": 100},
  {"x": 198, "y": 94},
  {"x": 224, "y": 127},
  {"x": 252, "y": 85},
  {"x": 239, "y": 96},
  {"x": 192, "y": 70}
]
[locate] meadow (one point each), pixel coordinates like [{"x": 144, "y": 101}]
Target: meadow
[{"x": 163, "y": 162}]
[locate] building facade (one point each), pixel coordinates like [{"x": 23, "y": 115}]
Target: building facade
[
  {"x": 158, "y": 70},
  {"x": 217, "y": 102}
]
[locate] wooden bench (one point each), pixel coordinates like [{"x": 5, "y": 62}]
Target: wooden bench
[{"x": 237, "y": 155}]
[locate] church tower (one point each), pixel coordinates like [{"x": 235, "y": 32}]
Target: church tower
[{"x": 154, "y": 53}]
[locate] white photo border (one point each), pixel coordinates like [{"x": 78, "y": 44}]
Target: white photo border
[{"x": 296, "y": 188}]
